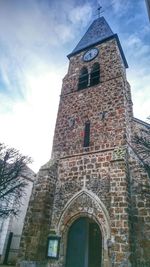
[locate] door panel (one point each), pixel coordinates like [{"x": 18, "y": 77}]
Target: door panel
[
  {"x": 77, "y": 240},
  {"x": 84, "y": 244},
  {"x": 95, "y": 247}
]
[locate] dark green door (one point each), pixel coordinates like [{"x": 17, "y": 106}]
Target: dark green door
[
  {"x": 84, "y": 244},
  {"x": 95, "y": 246}
]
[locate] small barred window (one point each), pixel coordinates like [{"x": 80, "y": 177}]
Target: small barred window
[{"x": 87, "y": 134}]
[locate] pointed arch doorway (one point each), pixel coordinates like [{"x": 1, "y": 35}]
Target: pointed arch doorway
[{"x": 84, "y": 244}]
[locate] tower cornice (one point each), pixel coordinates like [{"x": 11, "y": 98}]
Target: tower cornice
[{"x": 114, "y": 36}]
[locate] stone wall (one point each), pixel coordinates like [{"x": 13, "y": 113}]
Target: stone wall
[
  {"x": 101, "y": 169},
  {"x": 33, "y": 244},
  {"x": 140, "y": 197},
  {"x": 103, "y": 105},
  {"x": 102, "y": 177},
  {"x": 97, "y": 181}
]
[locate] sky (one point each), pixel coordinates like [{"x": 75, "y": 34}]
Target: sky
[{"x": 35, "y": 38}]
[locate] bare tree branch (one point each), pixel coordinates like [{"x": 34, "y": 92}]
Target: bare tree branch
[
  {"x": 13, "y": 167},
  {"x": 142, "y": 147}
]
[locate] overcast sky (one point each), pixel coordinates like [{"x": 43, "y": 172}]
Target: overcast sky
[{"x": 35, "y": 37}]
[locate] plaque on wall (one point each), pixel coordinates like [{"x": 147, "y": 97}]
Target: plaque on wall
[{"x": 53, "y": 247}]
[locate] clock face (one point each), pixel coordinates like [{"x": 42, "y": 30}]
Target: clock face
[{"x": 91, "y": 54}]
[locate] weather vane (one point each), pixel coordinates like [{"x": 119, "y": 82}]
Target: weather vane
[{"x": 99, "y": 11}]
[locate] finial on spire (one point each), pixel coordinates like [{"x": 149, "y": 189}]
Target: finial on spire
[{"x": 99, "y": 11}]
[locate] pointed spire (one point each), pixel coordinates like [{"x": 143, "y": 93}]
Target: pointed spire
[{"x": 98, "y": 31}]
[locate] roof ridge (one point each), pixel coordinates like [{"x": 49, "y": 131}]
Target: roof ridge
[{"x": 142, "y": 122}]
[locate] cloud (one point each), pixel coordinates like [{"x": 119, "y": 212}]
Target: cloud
[
  {"x": 140, "y": 80},
  {"x": 31, "y": 33},
  {"x": 138, "y": 74},
  {"x": 137, "y": 47},
  {"x": 32, "y": 37},
  {"x": 81, "y": 14},
  {"x": 35, "y": 35},
  {"x": 30, "y": 125},
  {"x": 120, "y": 6}
]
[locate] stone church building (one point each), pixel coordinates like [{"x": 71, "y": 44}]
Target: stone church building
[{"x": 87, "y": 207}]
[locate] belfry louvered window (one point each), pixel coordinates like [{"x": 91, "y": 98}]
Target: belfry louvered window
[
  {"x": 83, "y": 79},
  {"x": 95, "y": 74},
  {"x": 87, "y": 134}
]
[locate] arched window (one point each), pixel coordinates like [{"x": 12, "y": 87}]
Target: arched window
[
  {"x": 83, "y": 79},
  {"x": 95, "y": 74}
]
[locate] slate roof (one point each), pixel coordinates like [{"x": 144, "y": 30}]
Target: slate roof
[
  {"x": 142, "y": 122},
  {"x": 98, "y": 32}
]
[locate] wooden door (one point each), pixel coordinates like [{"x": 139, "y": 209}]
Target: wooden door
[{"x": 84, "y": 244}]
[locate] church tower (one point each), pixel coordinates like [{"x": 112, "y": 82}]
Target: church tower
[{"x": 81, "y": 202}]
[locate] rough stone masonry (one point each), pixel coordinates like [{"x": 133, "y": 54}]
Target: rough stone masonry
[{"x": 102, "y": 181}]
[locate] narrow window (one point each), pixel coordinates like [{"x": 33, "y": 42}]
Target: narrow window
[
  {"x": 83, "y": 79},
  {"x": 95, "y": 74},
  {"x": 87, "y": 134}
]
